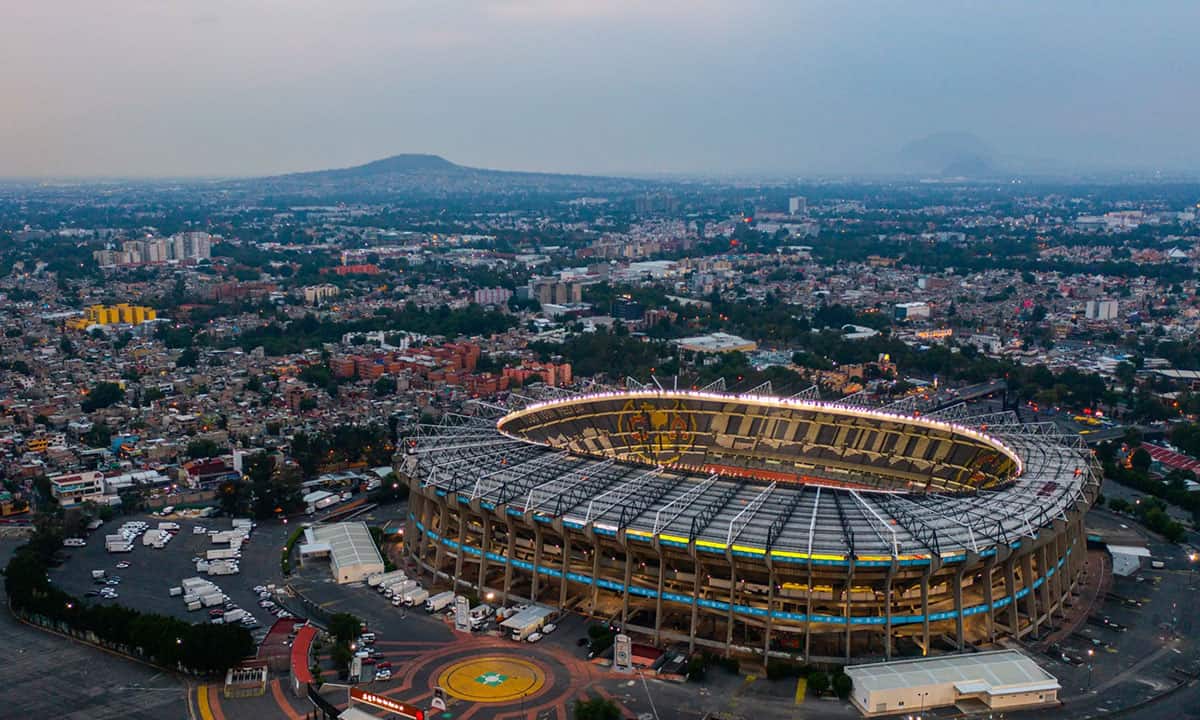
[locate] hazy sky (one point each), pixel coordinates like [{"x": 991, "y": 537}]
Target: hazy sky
[{"x": 238, "y": 87}]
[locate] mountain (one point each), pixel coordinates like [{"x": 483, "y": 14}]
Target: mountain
[
  {"x": 950, "y": 154},
  {"x": 396, "y": 164},
  {"x": 428, "y": 176}
]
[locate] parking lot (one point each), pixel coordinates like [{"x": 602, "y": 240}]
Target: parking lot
[
  {"x": 49, "y": 676},
  {"x": 145, "y": 584}
]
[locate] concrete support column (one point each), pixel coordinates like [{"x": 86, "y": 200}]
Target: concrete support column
[
  {"x": 458, "y": 554},
  {"x": 428, "y": 546},
  {"x": 771, "y": 581},
  {"x": 808, "y": 611},
  {"x": 887, "y": 612},
  {"x": 483, "y": 551},
  {"x": 509, "y": 553},
  {"x": 958, "y": 605},
  {"x": 1031, "y": 604},
  {"x": 699, "y": 570},
  {"x": 925, "y": 611},
  {"x": 566, "y": 567},
  {"x": 537, "y": 561},
  {"x": 732, "y": 600},
  {"x": 595, "y": 575},
  {"x": 658, "y": 601},
  {"x": 439, "y": 554},
  {"x": 1044, "y": 562},
  {"x": 1010, "y": 589},
  {"x": 625, "y": 590},
  {"x": 847, "y": 607},
  {"x": 989, "y": 617}
]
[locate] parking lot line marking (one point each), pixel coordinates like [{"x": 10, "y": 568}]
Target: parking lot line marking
[{"x": 801, "y": 690}]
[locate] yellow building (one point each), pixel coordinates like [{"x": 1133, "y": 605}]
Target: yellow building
[{"x": 113, "y": 315}]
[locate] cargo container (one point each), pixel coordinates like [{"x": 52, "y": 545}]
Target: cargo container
[
  {"x": 397, "y": 587},
  {"x": 212, "y": 599},
  {"x": 194, "y": 605},
  {"x": 222, "y": 568},
  {"x": 377, "y": 580},
  {"x": 439, "y": 602},
  {"x": 193, "y": 584},
  {"x": 97, "y": 574},
  {"x": 222, "y": 554},
  {"x": 175, "y": 591},
  {"x": 415, "y": 596},
  {"x": 235, "y": 615}
]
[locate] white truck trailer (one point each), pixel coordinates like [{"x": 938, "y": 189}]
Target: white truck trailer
[
  {"x": 399, "y": 587},
  {"x": 415, "y": 596},
  {"x": 377, "y": 580},
  {"x": 439, "y": 602},
  {"x": 223, "y": 567}
]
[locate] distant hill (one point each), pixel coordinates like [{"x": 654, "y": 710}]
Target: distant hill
[
  {"x": 950, "y": 154},
  {"x": 408, "y": 163},
  {"x": 418, "y": 175}
]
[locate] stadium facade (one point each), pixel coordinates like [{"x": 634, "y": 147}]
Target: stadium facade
[{"x": 758, "y": 524}]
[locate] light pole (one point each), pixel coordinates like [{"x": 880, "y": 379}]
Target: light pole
[
  {"x": 922, "y": 695},
  {"x": 1091, "y": 664}
]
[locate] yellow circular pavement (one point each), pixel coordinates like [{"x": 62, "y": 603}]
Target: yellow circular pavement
[{"x": 492, "y": 679}]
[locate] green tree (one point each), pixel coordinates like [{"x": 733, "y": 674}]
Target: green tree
[
  {"x": 202, "y": 448},
  {"x": 1140, "y": 460},
  {"x": 385, "y": 385},
  {"x": 99, "y": 436},
  {"x": 843, "y": 685},
  {"x": 102, "y": 395},
  {"x": 188, "y": 358},
  {"x": 818, "y": 682}
]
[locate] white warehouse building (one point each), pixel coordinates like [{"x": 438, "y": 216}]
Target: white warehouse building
[
  {"x": 349, "y": 546},
  {"x": 999, "y": 680}
]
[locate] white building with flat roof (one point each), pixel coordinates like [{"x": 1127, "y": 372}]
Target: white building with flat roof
[
  {"x": 999, "y": 680},
  {"x": 350, "y": 548},
  {"x": 717, "y": 342}
]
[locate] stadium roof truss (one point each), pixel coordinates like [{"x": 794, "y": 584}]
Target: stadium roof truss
[{"x": 469, "y": 455}]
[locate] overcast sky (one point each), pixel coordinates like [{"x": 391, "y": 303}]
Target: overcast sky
[{"x": 247, "y": 87}]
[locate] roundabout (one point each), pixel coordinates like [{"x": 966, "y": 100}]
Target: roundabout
[{"x": 492, "y": 679}]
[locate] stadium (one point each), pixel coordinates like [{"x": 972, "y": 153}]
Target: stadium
[{"x": 757, "y": 524}]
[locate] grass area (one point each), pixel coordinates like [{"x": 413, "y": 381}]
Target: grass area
[{"x": 285, "y": 560}]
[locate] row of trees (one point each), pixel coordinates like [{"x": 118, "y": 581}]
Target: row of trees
[
  {"x": 265, "y": 489},
  {"x": 166, "y": 641},
  {"x": 368, "y": 444}
]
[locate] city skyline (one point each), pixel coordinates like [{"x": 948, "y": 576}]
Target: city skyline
[{"x": 243, "y": 89}]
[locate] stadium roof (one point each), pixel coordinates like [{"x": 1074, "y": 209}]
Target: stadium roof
[{"x": 467, "y": 457}]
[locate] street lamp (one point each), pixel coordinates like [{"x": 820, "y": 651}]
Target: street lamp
[{"x": 1091, "y": 664}]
